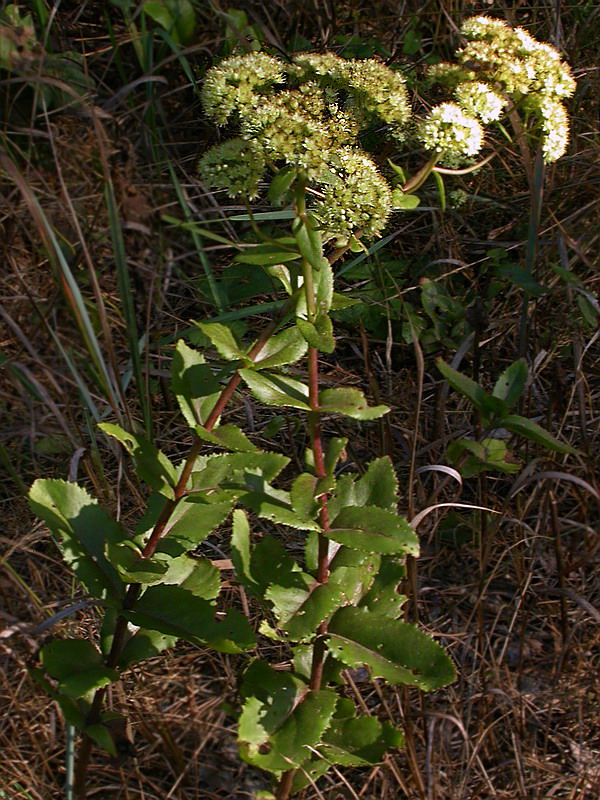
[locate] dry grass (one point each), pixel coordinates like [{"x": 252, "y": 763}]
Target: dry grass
[{"x": 518, "y": 612}]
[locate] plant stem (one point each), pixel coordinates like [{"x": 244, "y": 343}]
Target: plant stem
[
  {"x": 284, "y": 786},
  {"x": 134, "y": 589}
]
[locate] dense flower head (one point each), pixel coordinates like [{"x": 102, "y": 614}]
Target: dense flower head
[
  {"x": 447, "y": 129},
  {"x": 235, "y": 166},
  {"x": 514, "y": 59},
  {"x": 555, "y": 126},
  {"x": 480, "y": 100},
  {"x": 235, "y": 84},
  {"x": 449, "y": 75},
  {"x": 354, "y": 197}
]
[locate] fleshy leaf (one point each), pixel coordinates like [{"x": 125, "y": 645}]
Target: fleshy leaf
[
  {"x": 151, "y": 464},
  {"x": 282, "y": 719},
  {"x": 531, "y": 430},
  {"x": 374, "y": 530},
  {"x": 192, "y": 381},
  {"x": 83, "y": 528},
  {"x": 308, "y": 240},
  {"x": 511, "y": 383},
  {"x": 299, "y": 612},
  {"x": 176, "y": 611},
  {"x": 144, "y": 644},
  {"x": 350, "y": 402},
  {"x": 222, "y": 340},
  {"x": 273, "y": 504},
  {"x": 392, "y": 649},
  {"x": 270, "y": 254},
  {"x": 229, "y": 437},
  {"x": 77, "y": 665},
  {"x": 467, "y": 387},
  {"x": 276, "y": 390},
  {"x": 318, "y": 334},
  {"x": 284, "y": 348}
]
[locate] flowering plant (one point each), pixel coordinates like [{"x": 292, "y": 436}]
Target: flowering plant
[{"x": 332, "y": 603}]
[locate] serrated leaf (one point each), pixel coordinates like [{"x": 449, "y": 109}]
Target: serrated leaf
[
  {"x": 318, "y": 334},
  {"x": 383, "y": 597},
  {"x": 177, "y": 17},
  {"x": 103, "y": 738},
  {"x": 509, "y": 386},
  {"x": 222, "y": 340},
  {"x": 192, "y": 520},
  {"x": 176, "y": 611},
  {"x": 83, "y": 528},
  {"x": 350, "y": 402},
  {"x": 354, "y": 571},
  {"x": 276, "y": 390},
  {"x": 273, "y": 504},
  {"x": 77, "y": 665},
  {"x": 392, "y": 649},
  {"x": 467, "y": 387},
  {"x": 308, "y": 240},
  {"x": 266, "y": 563},
  {"x": 531, "y": 430},
  {"x": 151, "y": 464},
  {"x": 374, "y": 530},
  {"x": 229, "y": 437},
  {"x": 132, "y": 567},
  {"x": 284, "y": 348},
  {"x": 378, "y": 486},
  {"x": 281, "y": 719},
  {"x": 192, "y": 381},
  {"x": 300, "y": 612},
  {"x": 267, "y": 255},
  {"x": 335, "y": 450},
  {"x": 303, "y": 496},
  {"x": 216, "y": 471},
  {"x": 144, "y": 644}
]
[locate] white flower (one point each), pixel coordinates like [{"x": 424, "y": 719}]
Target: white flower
[
  {"x": 235, "y": 84},
  {"x": 555, "y": 125},
  {"x": 480, "y": 99},
  {"x": 447, "y": 129}
]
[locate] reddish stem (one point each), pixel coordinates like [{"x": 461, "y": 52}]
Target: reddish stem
[{"x": 133, "y": 589}]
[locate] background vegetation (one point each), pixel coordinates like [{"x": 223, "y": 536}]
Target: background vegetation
[{"x": 105, "y": 262}]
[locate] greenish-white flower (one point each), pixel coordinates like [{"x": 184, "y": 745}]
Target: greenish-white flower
[
  {"x": 236, "y": 166},
  {"x": 447, "y": 129},
  {"x": 555, "y": 126},
  {"x": 237, "y": 83},
  {"x": 354, "y": 197},
  {"x": 480, "y": 100}
]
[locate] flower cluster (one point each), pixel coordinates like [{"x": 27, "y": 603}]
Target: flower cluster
[
  {"x": 447, "y": 129},
  {"x": 307, "y": 114},
  {"x": 235, "y": 166},
  {"x": 501, "y": 64},
  {"x": 480, "y": 100},
  {"x": 354, "y": 197},
  {"x": 237, "y": 83}
]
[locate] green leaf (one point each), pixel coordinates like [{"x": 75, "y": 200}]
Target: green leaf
[
  {"x": 404, "y": 202},
  {"x": 374, "y": 530},
  {"x": 509, "y": 386},
  {"x": 151, "y": 464},
  {"x": 273, "y": 504},
  {"x": 304, "y": 494},
  {"x": 222, "y": 340},
  {"x": 229, "y": 437},
  {"x": 176, "y": 611},
  {"x": 300, "y": 612},
  {"x": 177, "y": 17},
  {"x": 144, "y": 644},
  {"x": 319, "y": 334},
  {"x": 308, "y": 240},
  {"x": 270, "y": 254},
  {"x": 378, "y": 486},
  {"x": 265, "y": 564},
  {"x": 467, "y": 387},
  {"x": 392, "y": 649},
  {"x": 487, "y": 454},
  {"x": 335, "y": 450},
  {"x": 77, "y": 665},
  {"x": 281, "y": 183},
  {"x": 276, "y": 390},
  {"x": 531, "y": 430},
  {"x": 281, "y": 719},
  {"x": 284, "y": 348},
  {"x": 354, "y": 571},
  {"x": 83, "y": 528},
  {"x": 522, "y": 278},
  {"x": 132, "y": 567},
  {"x": 103, "y": 738},
  {"x": 383, "y": 597},
  {"x": 192, "y": 381},
  {"x": 350, "y": 402},
  {"x": 229, "y": 470}
]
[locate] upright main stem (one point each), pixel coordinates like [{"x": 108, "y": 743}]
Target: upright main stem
[
  {"x": 133, "y": 590},
  {"x": 314, "y": 426}
]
